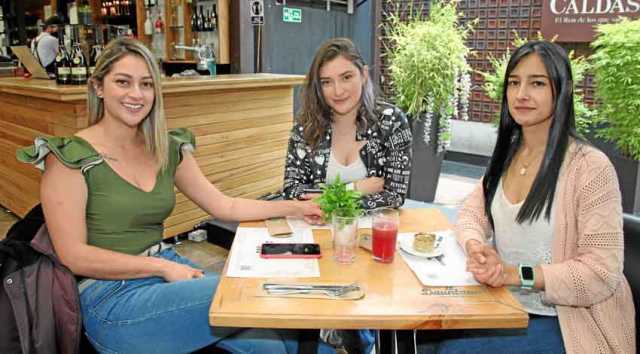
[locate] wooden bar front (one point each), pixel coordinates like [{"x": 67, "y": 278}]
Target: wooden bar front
[{"x": 241, "y": 123}]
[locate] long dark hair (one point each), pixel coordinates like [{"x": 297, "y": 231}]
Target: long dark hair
[
  {"x": 315, "y": 115},
  {"x": 542, "y": 191}
]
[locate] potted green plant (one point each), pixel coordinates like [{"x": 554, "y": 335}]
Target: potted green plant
[
  {"x": 494, "y": 84},
  {"x": 336, "y": 199},
  {"x": 430, "y": 81},
  {"x": 342, "y": 208},
  {"x": 616, "y": 68}
]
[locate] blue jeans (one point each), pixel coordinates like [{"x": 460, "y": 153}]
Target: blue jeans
[
  {"x": 542, "y": 336},
  {"x": 150, "y": 315}
]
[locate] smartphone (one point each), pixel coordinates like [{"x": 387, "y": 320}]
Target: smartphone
[
  {"x": 312, "y": 190},
  {"x": 290, "y": 250}
]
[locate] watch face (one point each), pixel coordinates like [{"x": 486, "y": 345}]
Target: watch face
[{"x": 527, "y": 273}]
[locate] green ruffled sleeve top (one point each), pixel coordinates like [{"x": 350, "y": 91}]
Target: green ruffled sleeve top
[{"x": 119, "y": 216}]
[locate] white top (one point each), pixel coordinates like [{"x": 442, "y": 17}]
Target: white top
[
  {"x": 528, "y": 243},
  {"x": 47, "y": 48},
  {"x": 354, "y": 172}
]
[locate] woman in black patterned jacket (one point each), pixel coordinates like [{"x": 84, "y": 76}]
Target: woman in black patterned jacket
[{"x": 342, "y": 130}]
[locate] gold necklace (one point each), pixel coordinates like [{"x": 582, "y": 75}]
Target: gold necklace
[{"x": 525, "y": 165}]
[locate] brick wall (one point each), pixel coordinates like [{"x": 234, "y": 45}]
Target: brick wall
[{"x": 494, "y": 32}]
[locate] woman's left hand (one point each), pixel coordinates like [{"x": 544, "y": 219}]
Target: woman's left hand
[{"x": 489, "y": 272}]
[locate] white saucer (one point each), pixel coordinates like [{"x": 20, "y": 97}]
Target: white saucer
[{"x": 406, "y": 244}]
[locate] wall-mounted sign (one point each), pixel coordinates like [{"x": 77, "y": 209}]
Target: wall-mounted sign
[
  {"x": 574, "y": 20},
  {"x": 290, "y": 14},
  {"x": 256, "y": 12}
]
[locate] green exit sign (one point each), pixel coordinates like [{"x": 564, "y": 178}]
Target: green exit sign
[{"x": 290, "y": 14}]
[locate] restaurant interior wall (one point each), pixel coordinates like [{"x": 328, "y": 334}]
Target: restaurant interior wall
[{"x": 288, "y": 48}]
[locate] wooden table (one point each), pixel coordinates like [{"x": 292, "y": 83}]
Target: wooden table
[{"x": 393, "y": 297}]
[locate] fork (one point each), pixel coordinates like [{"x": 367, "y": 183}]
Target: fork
[
  {"x": 440, "y": 259},
  {"x": 267, "y": 286},
  {"x": 328, "y": 292}
]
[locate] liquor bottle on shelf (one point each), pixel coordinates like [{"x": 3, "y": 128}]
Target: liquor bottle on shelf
[
  {"x": 148, "y": 27},
  {"x": 159, "y": 24},
  {"x": 194, "y": 20},
  {"x": 125, "y": 7},
  {"x": 206, "y": 24},
  {"x": 63, "y": 63},
  {"x": 214, "y": 19},
  {"x": 78, "y": 66},
  {"x": 112, "y": 8},
  {"x": 201, "y": 19}
]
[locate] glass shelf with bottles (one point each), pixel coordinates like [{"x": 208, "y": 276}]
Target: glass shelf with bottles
[
  {"x": 116, "y": 8},
  {"x": 204, "y": 17}
]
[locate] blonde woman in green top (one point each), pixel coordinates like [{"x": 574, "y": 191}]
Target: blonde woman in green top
[{"x": 106, "y": 192}]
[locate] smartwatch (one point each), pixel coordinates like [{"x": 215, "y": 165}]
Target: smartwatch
[{"x": 527, "y": 276}]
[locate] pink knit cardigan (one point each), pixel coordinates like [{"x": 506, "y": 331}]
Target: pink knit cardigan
[{"x": 584, "y": 280}]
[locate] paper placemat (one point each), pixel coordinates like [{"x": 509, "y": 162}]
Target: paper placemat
[
  {"x": 431, "y": 272},
  {"x": 245, "y": 261}
]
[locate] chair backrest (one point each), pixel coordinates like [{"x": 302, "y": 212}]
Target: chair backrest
[{"x": 632, "y": 263}]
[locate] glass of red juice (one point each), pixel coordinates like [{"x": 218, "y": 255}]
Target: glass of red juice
[{"x": 385, "y": 233}]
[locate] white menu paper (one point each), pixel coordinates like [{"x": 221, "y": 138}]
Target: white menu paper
[
  {"x": 430, "y": 272},
  {"x": 245, "y": 261}
]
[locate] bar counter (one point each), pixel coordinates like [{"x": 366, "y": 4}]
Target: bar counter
[{"x": 241, "y": 123}]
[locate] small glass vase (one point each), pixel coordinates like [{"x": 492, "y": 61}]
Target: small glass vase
[{"x": 344, "y": 230}]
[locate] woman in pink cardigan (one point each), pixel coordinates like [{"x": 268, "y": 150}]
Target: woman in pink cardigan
[{"x": 546, "y": 221}]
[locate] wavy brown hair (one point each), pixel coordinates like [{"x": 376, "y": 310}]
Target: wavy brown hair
[{"x": 315, "y": 115}]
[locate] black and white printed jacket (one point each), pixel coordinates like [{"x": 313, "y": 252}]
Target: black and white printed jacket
[{"x": 386, "y": 154}]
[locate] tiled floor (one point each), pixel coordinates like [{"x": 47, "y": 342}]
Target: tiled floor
[
  {"x": 208, "y": 256},
  {"x": 452, "y": 189}
]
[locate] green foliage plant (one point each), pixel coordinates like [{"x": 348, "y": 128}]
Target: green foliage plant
[
  {"x": 337, "y": 200},
  {"x": 494, "y": 84},
  {"x": 616, "y": 66},
  {"x": 427, "y": 62}
]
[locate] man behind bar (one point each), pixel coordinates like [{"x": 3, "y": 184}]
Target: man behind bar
[{"x": 45, "y": 46}]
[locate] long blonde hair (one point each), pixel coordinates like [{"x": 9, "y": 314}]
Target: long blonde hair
[{"x": 154, "y": 126}]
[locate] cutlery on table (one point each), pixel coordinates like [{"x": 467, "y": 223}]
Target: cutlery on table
[{"x": 330, "y": 290}]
